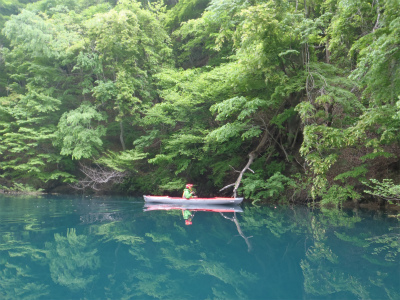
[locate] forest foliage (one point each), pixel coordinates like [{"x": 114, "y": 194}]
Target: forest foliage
[{"x": 277, "y": 99}]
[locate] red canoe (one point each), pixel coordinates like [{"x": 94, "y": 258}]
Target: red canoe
[{"x": 196, "y": 200}]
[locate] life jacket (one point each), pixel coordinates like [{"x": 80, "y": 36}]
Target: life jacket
[{"x": 187, "y": 194}]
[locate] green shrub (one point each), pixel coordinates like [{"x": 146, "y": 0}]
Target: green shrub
[
  {"x": 337, "y": 194},
  {"x": 273, "y": 188}
]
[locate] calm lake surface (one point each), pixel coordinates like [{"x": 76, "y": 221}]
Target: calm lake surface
[{"x": 65, "y": 247}]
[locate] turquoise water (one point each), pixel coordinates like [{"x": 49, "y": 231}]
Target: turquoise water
[{"x": 59, "y": 247}]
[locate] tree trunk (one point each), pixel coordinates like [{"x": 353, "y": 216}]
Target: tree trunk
[
  {"x": 121, "y": 136},
  {"x": 328, "y": 53},
  {"x": 305, "y": 9}
]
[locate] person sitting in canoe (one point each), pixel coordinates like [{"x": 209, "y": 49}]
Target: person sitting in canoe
[{"x": 188, "y": 192}]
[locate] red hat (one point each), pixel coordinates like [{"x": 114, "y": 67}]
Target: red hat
[
  {"x": 187, "y": 222},
  {"x": 189, "y": 185}
]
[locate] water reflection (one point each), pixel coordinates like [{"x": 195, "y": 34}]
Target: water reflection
[
  {"x": 68, "y": 248},
  {"x": 73, "y": 260},
  {"x": 189, "y": 210}
]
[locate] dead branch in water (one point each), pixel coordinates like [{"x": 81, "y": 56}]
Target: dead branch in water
[{"x": 252, "y": 156}]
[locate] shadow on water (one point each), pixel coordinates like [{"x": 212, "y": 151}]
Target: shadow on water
[{"x": 60, "y": 247}]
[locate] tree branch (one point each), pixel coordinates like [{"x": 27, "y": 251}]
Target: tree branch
[
  {"x": 98, "y": 176},
  {"x": 253, "y": 155},
  {"x": 227, "y": 186}
]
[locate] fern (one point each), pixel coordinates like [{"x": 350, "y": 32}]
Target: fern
[{"x": 337, "y": 195}]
